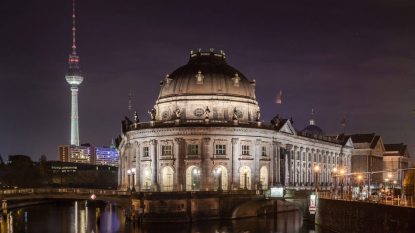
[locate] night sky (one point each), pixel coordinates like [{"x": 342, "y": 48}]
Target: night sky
[{"x": 354, "y": 59}]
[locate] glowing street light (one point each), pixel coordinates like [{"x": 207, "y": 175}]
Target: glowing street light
[
  {"x": 133, "y": 170},
  {"x": 316, "y": 171},
  {"x": 129, "y": 184}
]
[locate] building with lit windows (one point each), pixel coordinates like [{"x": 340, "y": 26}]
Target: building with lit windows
[
  {"x": 87, "y": 153},
  {"x": 76, "y": 154},
  {"x": 106, "y": 156},
  {"x": 206, "y": 133},
  {"x": 395, "y": 157}
]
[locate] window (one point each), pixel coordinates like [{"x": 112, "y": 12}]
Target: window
[
  {"x": 264, "y": 151},
  {"x": 220, "y": 149},
  {"x": 193, "y": 149},
  {"x": 145, "y": 151},
  {"x": 245, "y": 150},
  {"x": 166, "y": 150}
]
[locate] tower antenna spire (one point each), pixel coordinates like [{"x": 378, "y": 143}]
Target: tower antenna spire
[
  {"x": 74, "y": 78},
  {"x": 73, "y": 28}
]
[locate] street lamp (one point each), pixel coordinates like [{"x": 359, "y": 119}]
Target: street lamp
[
  {"x": 359, "y": 180},
  {"x": 129, "y": 185},
  {"x": 387, "y": 185},
  {"x": 316, "y": 171},
  {"x": 133, "y": 170},
  {"x": 342, "y": 180},
  {"x": 333, "y": 175}
]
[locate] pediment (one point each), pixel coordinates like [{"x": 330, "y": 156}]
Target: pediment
[{"x": 288, "y": 128}]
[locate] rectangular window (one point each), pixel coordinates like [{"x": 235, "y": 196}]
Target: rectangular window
[
  {"x": 220, "y": 149},
  {"x": 166, "y": 150},
  {"x": 193, "y": 149},
  {"x": 145, "y": 151},
  {"x": 264, "y": 151},
  {"x": 245, "y": 150}
]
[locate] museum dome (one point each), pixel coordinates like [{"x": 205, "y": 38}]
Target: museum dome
[
  {"x": 312, "y": 129},
  {"x": 207, "y": 73}
]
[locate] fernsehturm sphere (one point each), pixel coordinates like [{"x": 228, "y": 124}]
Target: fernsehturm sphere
[{"x": 74, "y": 78}]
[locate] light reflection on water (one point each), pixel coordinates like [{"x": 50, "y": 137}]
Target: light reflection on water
[{"x": 79, "y": 217}]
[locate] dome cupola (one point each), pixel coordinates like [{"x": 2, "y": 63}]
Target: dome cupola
[{"x": 206, "y": 82}]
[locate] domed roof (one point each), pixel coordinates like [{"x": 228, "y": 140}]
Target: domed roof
[
  {"x": 313, "y": 130},
  {"x": 207, "y": 73}
]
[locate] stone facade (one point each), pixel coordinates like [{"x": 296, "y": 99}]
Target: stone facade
[{"x": 205, "y": 134}]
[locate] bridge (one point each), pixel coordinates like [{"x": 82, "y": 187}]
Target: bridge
[{"x": 165, "y": 206}]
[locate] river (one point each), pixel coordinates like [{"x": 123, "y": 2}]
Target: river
[{"x": 76, "y": 217}]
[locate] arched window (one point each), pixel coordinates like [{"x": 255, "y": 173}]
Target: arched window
[
  {"x": 245, "y": 178},
  {"x": 263, "y": 178},
  {"x": 167, "y": 174},
  {"x": 220, "y": 176},
  {"x": 193, "y": 178},
  {"x": 146, "y": 182}
]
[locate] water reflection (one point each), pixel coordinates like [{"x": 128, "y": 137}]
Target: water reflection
[{"x": 87, "y": 217}]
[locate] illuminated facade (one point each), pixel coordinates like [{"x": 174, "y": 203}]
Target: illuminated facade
[
  {"x": 76, "y": 154},
  {"x": 106, "y": 156},
  {"x": 205, "y": 133}
]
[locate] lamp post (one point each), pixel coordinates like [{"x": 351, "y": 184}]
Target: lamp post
[
  {"x": 342, "y": 180},
  {"x": 359, "y": 180},
  {"x": 133, "y": 170},
  {"x": 390, "y": 183},
  {"x": 393, "y": 188},
  {"x": 219, "y": 172},
  {"x": 316, "y": 171},
  {"x": 129, "y": 185},
  {"x": 245, "y": 180},
  {"x": 333, "y": 175}
]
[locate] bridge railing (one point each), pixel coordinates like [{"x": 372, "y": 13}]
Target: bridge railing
[
  {"x": 78, "y": 191},
  {"x": 406, "y": 201}
]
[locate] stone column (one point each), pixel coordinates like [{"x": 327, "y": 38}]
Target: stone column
[
  {"x": 295, "y": 174},
  {"x": 277, "y": 163},
  {"x": 137, "y": 167},
  {"x": 235, "y": 164},
  {"x": 288, "y": 159},
  {"x": 206, "y": 179},
  {"x": 120, "y": 160},
  {"x": 154, "y": 165},
  {"x": 300, "y": 174},
  {"x": 315, "y": 163},
  {"x": 178, "y": 159},
  {"x": 127, "y": 165},
  {"x": 257, "y": 155},
  {"x": 307, "y": 169}
]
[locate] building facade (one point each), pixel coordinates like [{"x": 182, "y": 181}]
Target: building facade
[
  {"x": 205, "y": 133},
  {"x": 395, "y": 157},
  {"x": 106, "y": 156},
  {"x": 76, "y": 154},
  {"x": 87, "y": 153}
]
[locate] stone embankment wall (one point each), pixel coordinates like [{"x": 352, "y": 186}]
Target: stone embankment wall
[
  {"x": 347, "y": 216},
  {"x": 189, "y": 207}
]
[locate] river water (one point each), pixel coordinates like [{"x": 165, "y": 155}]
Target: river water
[{"x": 76, "y": 217}]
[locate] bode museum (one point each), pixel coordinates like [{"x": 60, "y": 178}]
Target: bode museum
[{"x": 206, "y": 134}]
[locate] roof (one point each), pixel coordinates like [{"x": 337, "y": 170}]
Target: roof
[
  {"x": 398, "y": 147},
  {"x": 362, "y": 138},
  {"x": 313, "y": 130},
  {"x": 207, "y": 73}
]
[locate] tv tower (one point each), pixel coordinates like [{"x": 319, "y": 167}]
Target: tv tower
[{"x": 74, "y": 78}]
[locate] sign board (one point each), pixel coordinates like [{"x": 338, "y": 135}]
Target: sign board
[
  {"x": 312, "y": 207},
  {"x": 277, "y": 192}
]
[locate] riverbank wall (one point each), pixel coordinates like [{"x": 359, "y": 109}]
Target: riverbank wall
[{"x": 353, "y": 216}]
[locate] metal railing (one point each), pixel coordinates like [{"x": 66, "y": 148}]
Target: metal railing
[{"x": 406, "y": 201}]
